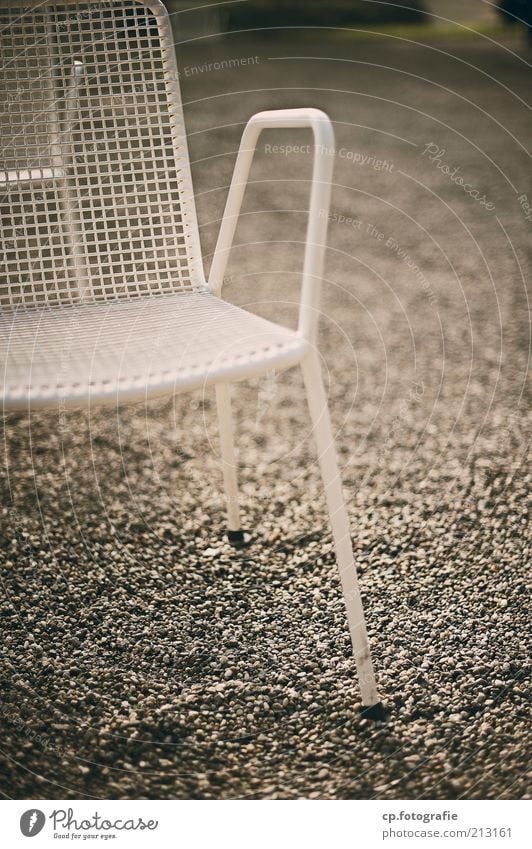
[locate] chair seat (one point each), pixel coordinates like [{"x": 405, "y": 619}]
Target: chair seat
[{"x": 126, "y": 350}]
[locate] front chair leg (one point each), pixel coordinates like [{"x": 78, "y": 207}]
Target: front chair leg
[
  {"x": 235, "y": 534},
  {"x": 321, "y": 423}
]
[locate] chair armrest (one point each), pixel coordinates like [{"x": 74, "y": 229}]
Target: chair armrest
[{"x": 322, "y": 129}]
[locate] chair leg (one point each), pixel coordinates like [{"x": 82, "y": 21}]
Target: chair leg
[
  {"x": 321, "y": 423},
  {"x": 235, "y": 534}
]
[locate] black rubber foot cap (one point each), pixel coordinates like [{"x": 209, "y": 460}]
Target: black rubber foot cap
[
  {"x": 238, "y": 539},
  {"x": 375, "y": 712}
]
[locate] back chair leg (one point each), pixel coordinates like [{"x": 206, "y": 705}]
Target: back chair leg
[
  {"x": 321, "y": 423},
  {"x": 235, "y": 534}
]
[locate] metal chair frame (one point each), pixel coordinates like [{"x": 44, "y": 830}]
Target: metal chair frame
[{"x": 28, "y": 318}]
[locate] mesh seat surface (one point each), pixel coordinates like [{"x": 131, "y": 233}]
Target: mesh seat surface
[{"x": 141, "y": 347}]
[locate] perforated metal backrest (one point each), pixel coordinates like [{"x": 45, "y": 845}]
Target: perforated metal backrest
[{"x": 96, "y": 200}]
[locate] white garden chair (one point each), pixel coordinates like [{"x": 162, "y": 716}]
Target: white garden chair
[{"x": 103, "y": 297}]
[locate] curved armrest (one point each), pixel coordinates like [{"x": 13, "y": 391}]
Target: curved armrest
[{"x": 322, "y": 129}]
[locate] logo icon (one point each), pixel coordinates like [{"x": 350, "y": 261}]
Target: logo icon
[{"x": 32, "y": 822}]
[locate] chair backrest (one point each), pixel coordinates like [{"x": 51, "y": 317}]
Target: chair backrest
[{"x": 96, "y": 200}]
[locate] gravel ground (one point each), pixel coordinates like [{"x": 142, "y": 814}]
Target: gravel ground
[{"x": 144, "y": 658}]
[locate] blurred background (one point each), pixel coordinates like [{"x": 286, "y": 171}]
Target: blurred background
[{"x": 429, "y": 17}]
